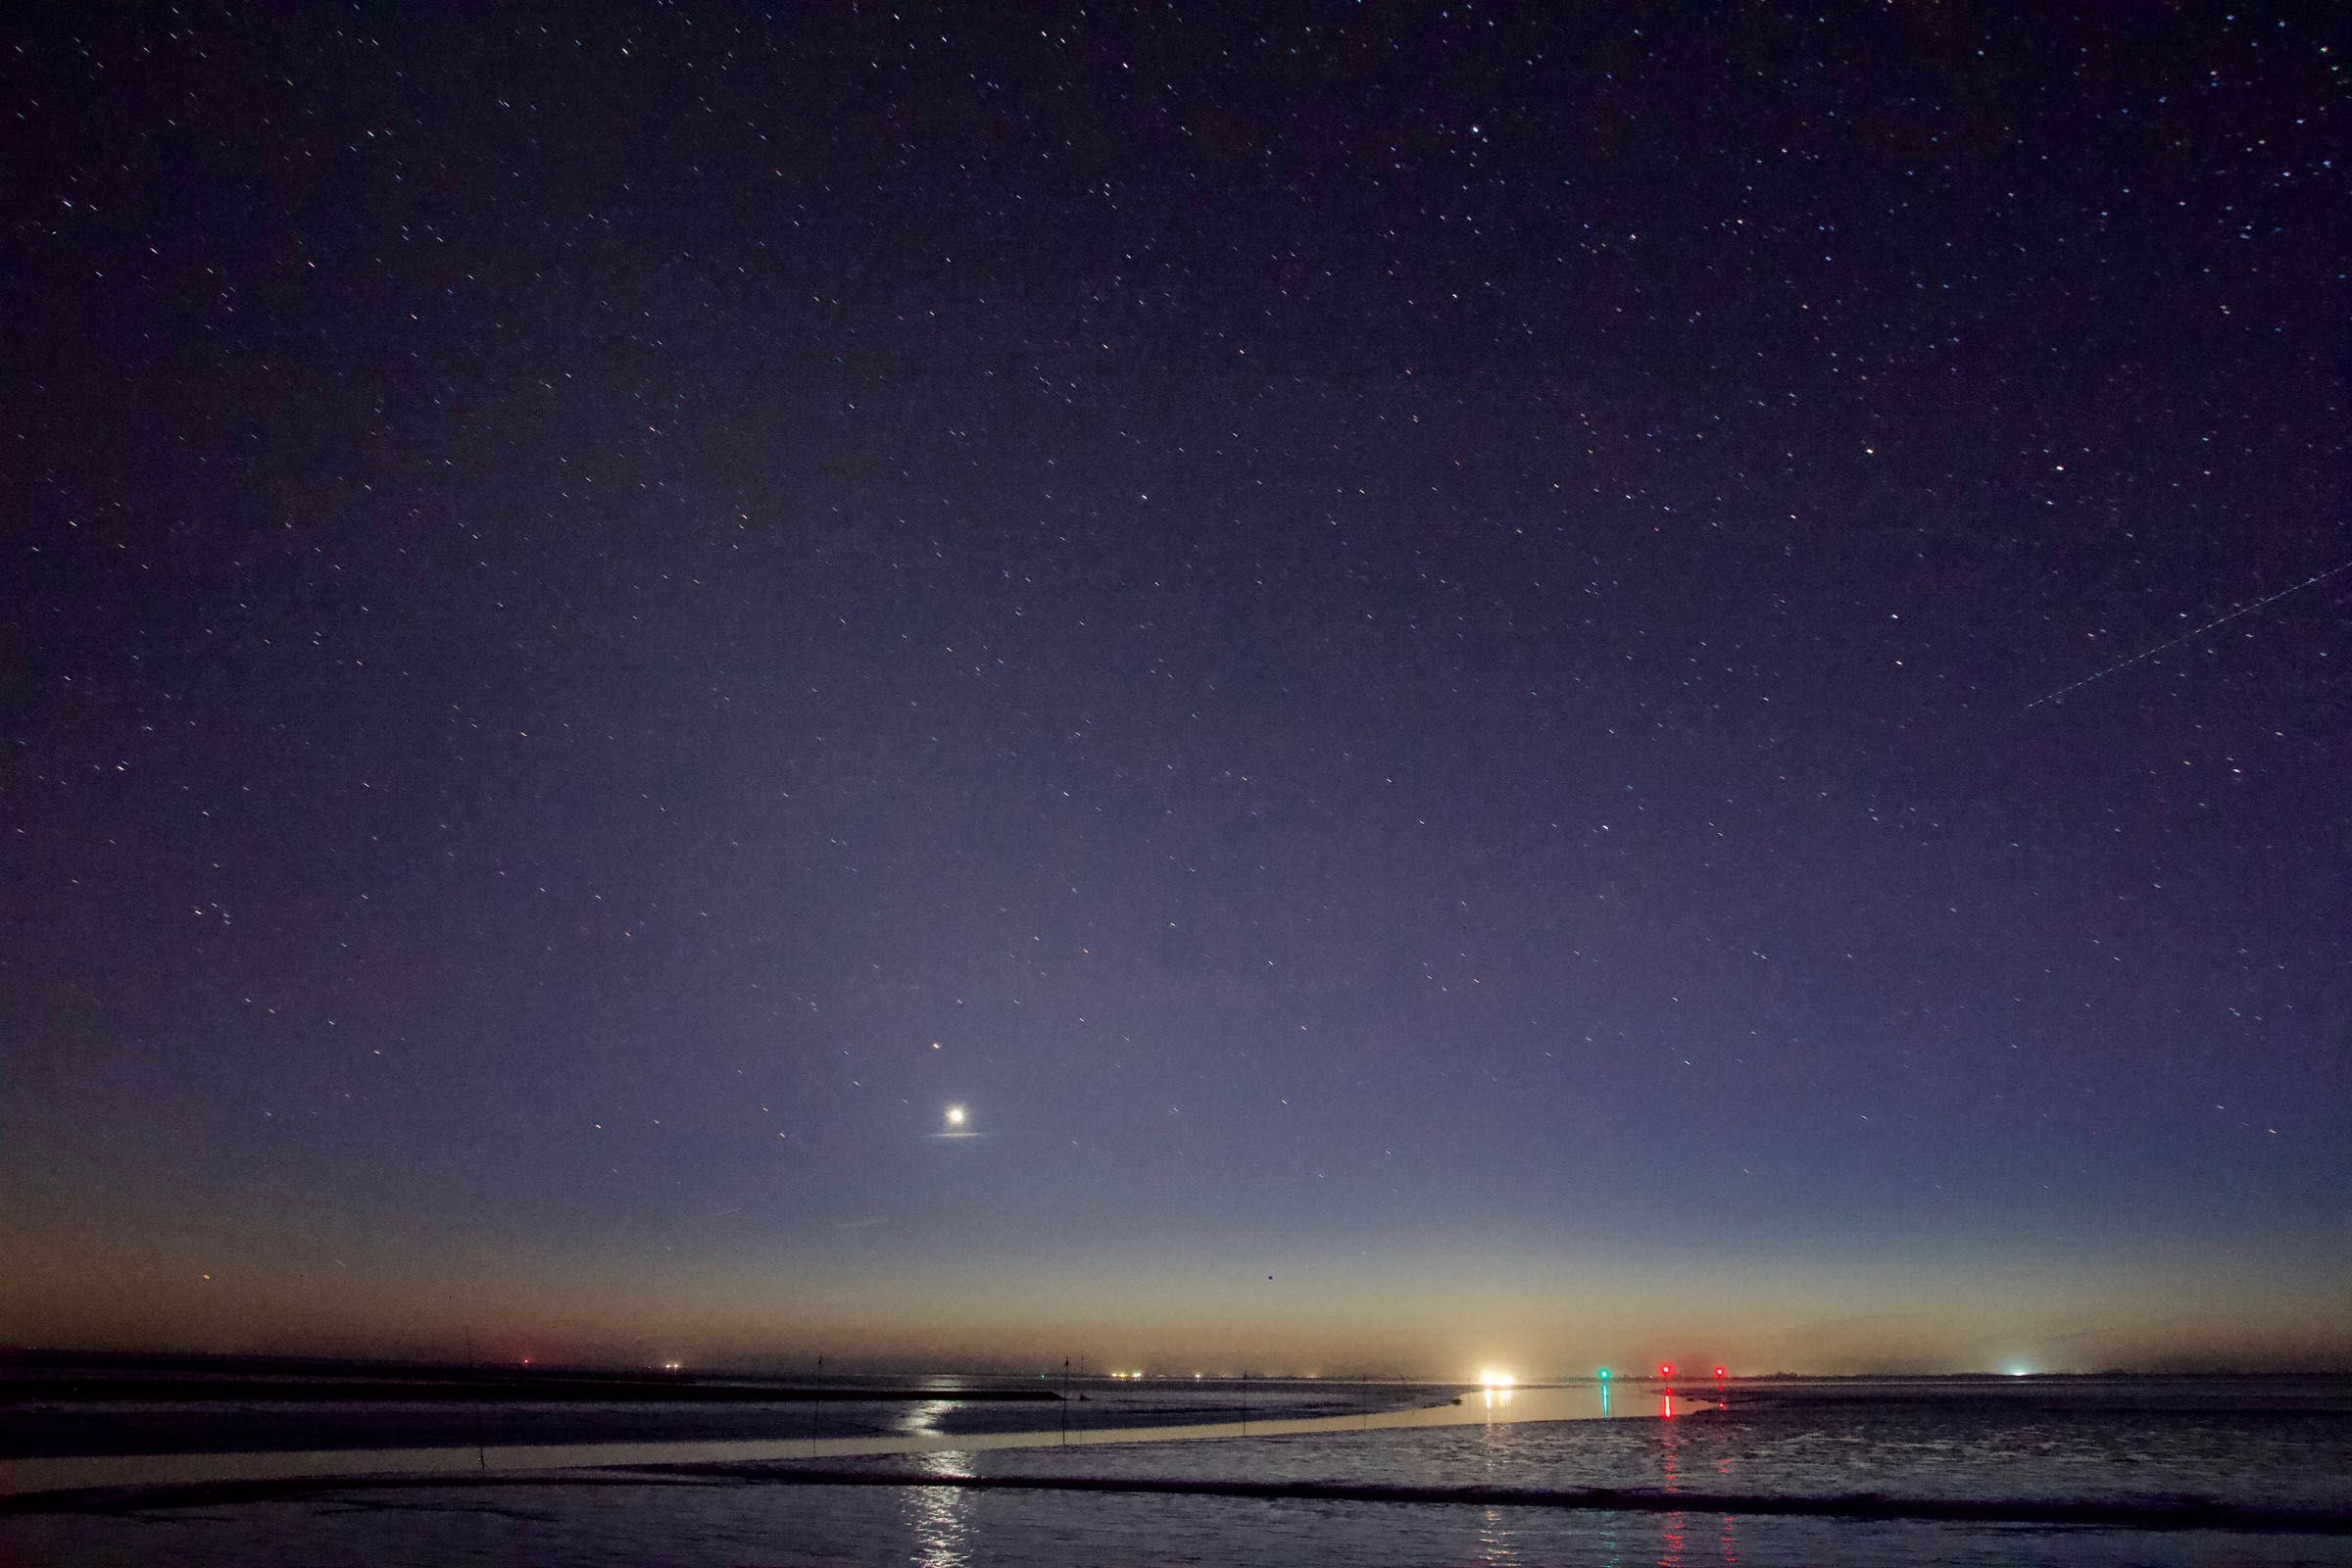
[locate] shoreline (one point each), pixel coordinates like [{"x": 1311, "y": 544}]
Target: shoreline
[{"x": 26, "y": 1480}]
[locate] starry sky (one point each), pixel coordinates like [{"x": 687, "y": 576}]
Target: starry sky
[{"x": 1473, "y": 674}]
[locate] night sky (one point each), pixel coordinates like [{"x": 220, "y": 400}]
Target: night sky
[{"x": 1472, "y": 675}]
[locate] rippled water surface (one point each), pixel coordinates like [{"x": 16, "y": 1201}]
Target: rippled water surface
[{"x": 2147, "y": 1443}]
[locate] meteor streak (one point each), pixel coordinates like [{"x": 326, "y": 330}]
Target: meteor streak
[{"x": 2150, "y": 653}]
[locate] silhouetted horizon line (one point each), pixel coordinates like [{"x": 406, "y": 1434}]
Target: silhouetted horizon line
[{"x": 836, "y": 1371}]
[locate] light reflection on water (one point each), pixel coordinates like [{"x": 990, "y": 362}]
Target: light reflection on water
[
  {"x": 1726, "y": 1548},
  {"x": 1670, "y": 1525},
  {"x": 940, "y": 1517},
  {"x": 1494, "y": 1537},
  {"x": 922, "y": 1420}
]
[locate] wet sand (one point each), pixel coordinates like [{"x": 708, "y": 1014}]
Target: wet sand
[{"x": 38, "y": 1484}]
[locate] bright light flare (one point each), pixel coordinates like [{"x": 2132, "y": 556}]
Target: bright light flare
[
  {"x": 955, "y": 1115},
  {"x": 1497, "y": 1380}
]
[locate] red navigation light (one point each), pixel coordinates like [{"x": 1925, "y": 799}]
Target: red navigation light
[
  {"x": 1665, "y": 1369},
  {"x": 1719, "y": 1371}
]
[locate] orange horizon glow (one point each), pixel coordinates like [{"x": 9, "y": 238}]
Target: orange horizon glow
[{"x": 125, "y": 1280}]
